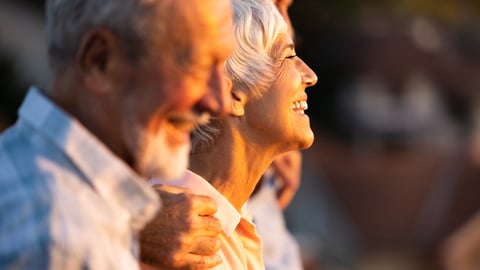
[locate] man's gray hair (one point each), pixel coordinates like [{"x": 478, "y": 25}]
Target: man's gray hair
[
  {"x": 69, "y": 20},
  {"x": 252, "y": 67}
]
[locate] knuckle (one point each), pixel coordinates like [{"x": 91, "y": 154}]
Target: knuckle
[
  {"x": 210, "y": 246},
  {"x": 215, "y": 224},
  {"x": 176, "y": 261},
  {"x": 215, "y": 245},
  {"x": 185, "y": 240}
]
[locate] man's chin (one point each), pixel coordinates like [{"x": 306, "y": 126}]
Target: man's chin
[{"x": 169, "y": 165}]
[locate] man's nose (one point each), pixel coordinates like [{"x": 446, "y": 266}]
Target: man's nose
[{"x": 217, "y": 100}]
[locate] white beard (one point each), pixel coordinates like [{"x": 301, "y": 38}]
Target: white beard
[
  {"x": 159, "y": 160},
  {"x": 154, "y": 156}
]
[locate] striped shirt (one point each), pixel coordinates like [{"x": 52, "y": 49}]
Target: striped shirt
[{"x": 66, "y": 201}]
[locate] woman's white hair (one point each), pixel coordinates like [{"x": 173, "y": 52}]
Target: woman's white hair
[
  {"x": 69, "y": 20},
  {"x": 252, "y": 67}
]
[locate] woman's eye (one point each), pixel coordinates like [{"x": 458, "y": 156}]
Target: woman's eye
[{"x": 286, "y": 58}]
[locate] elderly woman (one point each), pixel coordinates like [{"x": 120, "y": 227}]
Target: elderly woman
[{"x": 268, "y": 82}]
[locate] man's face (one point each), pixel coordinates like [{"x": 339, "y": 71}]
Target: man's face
[{"x": 177, "y": 86}]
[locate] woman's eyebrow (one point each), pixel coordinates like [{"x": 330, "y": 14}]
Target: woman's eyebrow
[{"x": 287, "y": 46}]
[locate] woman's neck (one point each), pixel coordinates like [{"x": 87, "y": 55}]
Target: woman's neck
[{"x": 232, "y": 165}]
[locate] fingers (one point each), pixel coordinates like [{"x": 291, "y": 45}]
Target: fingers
[
  {"x": 205, "y": 246},
  {"x": 178, "y": 230},
  {"x": 189, "y": 261},
  {"x": 184, "y": 233},
  {"x": 202, "y": 254},
  {"x": 206, "y": 226},
  {"x": 289, "y": 167},
  {"x": 203, "y": 205},
  {"x": 144, "y": 266},
  {"x": 285, "y": 196},
  {"x": 171, "y": 189},
  {"x": 461, "y": 250},
  {"x": 202, "y": 262}
]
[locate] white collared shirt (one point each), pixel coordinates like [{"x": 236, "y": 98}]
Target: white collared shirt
[{"x": 241, "y": 247}]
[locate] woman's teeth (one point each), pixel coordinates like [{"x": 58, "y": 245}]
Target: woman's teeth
[{"x": 300, "y": 106}]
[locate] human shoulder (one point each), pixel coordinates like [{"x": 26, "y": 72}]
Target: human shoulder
[
  {"x": 24, "y": 192},
  {"x": 15, "y": 152},
  {"x": 25, "y": 208}
]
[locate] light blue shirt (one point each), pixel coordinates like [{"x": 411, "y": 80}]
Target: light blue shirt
[{"x": 66, "y": 201}]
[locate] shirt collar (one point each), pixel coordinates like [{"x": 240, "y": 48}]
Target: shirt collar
[
  {"x": 227, "y": 214},
  {"x": 108, "y": 175}
]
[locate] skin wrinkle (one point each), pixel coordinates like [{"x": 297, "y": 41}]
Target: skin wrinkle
[
  {"x": 203, "y": 148},
  {"x": 152, "y": 101},
  {"x": 248, "y": 135}
]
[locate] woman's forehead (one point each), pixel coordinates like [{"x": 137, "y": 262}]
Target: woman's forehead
[{"x": 282, "y": 44}]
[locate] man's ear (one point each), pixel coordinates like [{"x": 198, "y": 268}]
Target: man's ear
[
  {"x": 239, "y": 99},
  {"x": 94, "y": 57}
]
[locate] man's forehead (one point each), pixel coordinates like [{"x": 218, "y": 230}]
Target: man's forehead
[{"x": 212, "y": 12}]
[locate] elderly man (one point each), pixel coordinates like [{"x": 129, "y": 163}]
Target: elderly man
[{"x": 130, "y": 80}]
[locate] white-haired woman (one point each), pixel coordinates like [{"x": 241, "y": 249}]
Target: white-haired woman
[{"x": 268, "y": 82}]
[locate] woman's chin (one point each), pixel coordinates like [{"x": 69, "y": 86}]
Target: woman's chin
[{"x": 307, "y": 141}]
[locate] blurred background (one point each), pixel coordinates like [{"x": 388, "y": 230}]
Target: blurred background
[
  {"x": 395, "y": 166},
  {"x": 394, "y": 169}
]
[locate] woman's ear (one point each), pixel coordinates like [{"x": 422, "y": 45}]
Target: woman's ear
[{"x": 239, "y": 99}]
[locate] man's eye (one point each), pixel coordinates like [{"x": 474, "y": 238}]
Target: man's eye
[{"x": 291, "y": 56}]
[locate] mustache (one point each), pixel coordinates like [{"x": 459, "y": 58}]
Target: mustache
[
  {"x": 203, "y": 118},
  {"x": 189, "y": 121}
]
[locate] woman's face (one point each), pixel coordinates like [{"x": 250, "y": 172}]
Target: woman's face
[{"x": 278, "y": 116}]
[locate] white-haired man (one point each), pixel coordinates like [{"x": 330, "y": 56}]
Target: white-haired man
[{"x": 130, "y": 80}]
